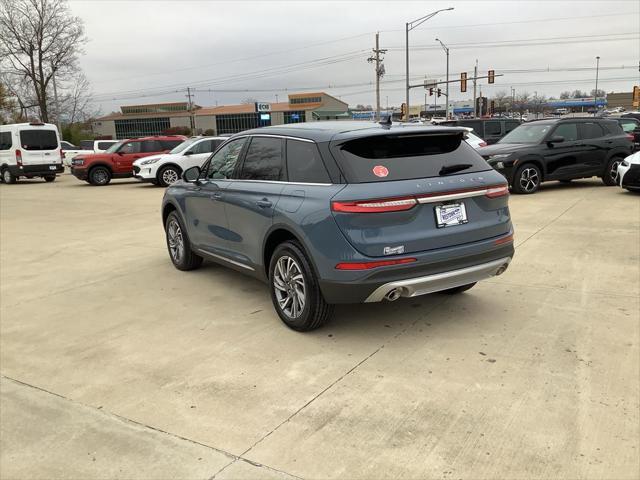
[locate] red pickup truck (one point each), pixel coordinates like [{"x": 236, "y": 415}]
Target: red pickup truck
[{"x": 117, "y": 161}]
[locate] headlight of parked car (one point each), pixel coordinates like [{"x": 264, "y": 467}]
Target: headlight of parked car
[
  {"x": 150, "y": 161},
  {"x": 77, "y": 161}
]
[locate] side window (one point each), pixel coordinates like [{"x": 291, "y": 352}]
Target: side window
[
  {"x": 149, "y": 146},
  {"x": 169, "y": 144},
  {"x": 263, "y": 160},
  {"x": 628, "y": 126},
  {"x": 567, "y": 130},
  {"x": 130, "y": 147},
  {"x": 492, "y": 128},
  {"x": 206, "y": 146},
  {"x": 510, "y": 125},
  {"x": 104, "y": 145},
  {"x": 5, "y": 140},
  {"x": 591, "y": 130},
  {"x": 224, "y": 161},
  {"x": 304, "y": 163}
]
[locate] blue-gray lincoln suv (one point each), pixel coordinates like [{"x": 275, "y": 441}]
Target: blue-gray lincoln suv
[{"x": 343, "y": 212}]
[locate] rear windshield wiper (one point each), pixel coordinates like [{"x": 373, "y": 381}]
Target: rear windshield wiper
[{"x": 447, "y": 169}]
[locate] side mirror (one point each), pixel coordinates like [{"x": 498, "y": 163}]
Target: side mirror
[
  {"x": 191, "y": 174},
  {"x": 120, "y": 152},
  {"x": 555, "y": 139}
]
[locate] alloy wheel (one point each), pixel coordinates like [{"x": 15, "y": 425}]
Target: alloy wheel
[
  {"x": 289, "y": 285},
  {"x": 175, "y": 241},
  {"x": 170, "y": 176},
  {"x": 6, "y": 175},
  {"x": 100, "y": 177},
  {"x": 529, "y": 179},
  {"x": 613, "y": 173}
]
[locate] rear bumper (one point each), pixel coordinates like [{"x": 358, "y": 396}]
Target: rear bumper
[
  {"x": 40, "y": 170},
  {"x": 434, "y": 271}
]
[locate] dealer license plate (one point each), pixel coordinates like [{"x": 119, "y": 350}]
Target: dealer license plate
[
  {"x": 52, "y": 167},
  {"x": 450, "y": 215}
]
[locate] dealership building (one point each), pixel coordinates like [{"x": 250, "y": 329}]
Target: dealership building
[{"x": 154, "y": 119}]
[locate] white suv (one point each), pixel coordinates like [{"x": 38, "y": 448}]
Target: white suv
[{"x": 167, "y": 168}]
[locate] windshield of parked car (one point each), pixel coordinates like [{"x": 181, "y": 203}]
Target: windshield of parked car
[
  {"x": 114, "y": 148},
  {"x": 532, "y": 133},
  {"x": 182, "y": 146}
]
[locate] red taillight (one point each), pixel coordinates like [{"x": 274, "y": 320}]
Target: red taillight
[
  {"x": 483, "y": 144},
  {"x": 370, "y": 265},
  {"x": 61, "y": 155},
  {"x": 383, "y": 205},
  {"x": 19, "y": 158},
  {"x": 630, "y": 136},
  {"x": 495, "y": 192},
  {"x": 503, "y": 240}
]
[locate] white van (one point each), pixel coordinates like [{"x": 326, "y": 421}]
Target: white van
[{"x": 29, "y": 150}]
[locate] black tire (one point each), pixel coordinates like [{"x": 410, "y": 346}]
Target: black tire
[
  {"x": 315, "y": 311},
  {"x": 610, "y": 175},
  {"x": 49, "y": 178},
  {"x": 460, "y": 289},
  {"x": 165, "y": 174},
  {"x": 99, "y": 176},
  {"x": 8, "y": 177},
  {"x": 527, "y": 179},
  {"x": 179, "y": 246}
]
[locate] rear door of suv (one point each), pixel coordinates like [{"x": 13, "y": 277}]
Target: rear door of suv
[
  {"x": 596, "y": 143},
  {"x": 251, "y": 199}
]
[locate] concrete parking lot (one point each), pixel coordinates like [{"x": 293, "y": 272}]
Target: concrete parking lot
[{"x": 116, "y": 365}]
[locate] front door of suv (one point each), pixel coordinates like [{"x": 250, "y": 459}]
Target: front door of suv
[
  {"x": 206, "y": 220},
  {"x": 123, "y": 159},
  {"x": 252, "y": 198},
  {"x": 564, "y": 159}
]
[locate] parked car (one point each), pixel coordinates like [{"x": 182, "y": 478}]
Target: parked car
[
  {"x": 629, "y": 173},
  {"x": 117, "y": 161},
  {"x": 29, "y": 150},
  {"x": 559, "y": 149},
  {"x": 343, "y": 212},
  {"x": 166, "y": 169},
  {"x": 631, "y": 126},
  {"x": 69, "y": 151},
  {"x": 437, "y": 120},
  {"x": 491, "y": 130},
  {"x": 96, "y": 146}
]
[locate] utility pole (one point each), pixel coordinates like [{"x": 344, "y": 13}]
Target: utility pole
[
  {"x": 190, "y": 106},
  {"x": 55, "y": 98},
  {"x": 446, "y": 49},
  {"x": 595, "y": 96},
  {"x": 376, "y": 59},
  {"x": 475, "y": 103}
]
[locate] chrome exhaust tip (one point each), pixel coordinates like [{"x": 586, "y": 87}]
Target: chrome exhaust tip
[
  {"x": 393, "y": 295},
  {"x": 502, "y": 269}
]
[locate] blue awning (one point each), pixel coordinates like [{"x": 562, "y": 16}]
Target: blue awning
[{"x": 462, "y": 110}]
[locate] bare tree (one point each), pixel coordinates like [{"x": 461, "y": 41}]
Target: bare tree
[
  {"x": 40, "y": 39},
  {"x": 75, "y": 102},
  {"x": 8, "y": 105},
  {"x": 565, "y": 95},
  {"x": 501, "y": 100}
]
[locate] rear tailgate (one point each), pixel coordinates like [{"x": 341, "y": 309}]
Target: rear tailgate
[
  {"x": 39, "y": 146},
  {"x": 397, "y": 202}
]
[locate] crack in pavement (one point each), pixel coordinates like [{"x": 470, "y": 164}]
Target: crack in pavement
[
  {"x": 331, "y": 385},
  {"x": 123, "y": 419},
  {"x": 551, "y": 222}
]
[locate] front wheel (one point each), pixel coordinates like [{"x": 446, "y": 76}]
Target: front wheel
[
  {"x": 99, "y": 176},
  {"x": 168, "y": 175},
  {"x": 610, "y": 176},
  {"x": 49, "y": 178},
  {"x": 178, "y": 244},
  {"x": 527, "y": 179},
  {"x": 295, "y": 291}
]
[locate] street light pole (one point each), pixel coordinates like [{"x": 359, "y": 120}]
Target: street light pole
[
  {"x": 408, "y": 27},
  {"x": 595, "y": 94},
  {"x": 446, "y": 50}
]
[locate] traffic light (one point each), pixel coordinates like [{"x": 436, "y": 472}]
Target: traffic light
[
  {"x": 492, "y": 76},
  {"x": 431, "y": 91},
  {"x": 463, "y": 82},
  {"x": 439, "y": 92}
]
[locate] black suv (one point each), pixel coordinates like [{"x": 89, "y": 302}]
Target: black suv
[
  {"x": 559, "y": 149},
  {"x": 490, "y": 129}
]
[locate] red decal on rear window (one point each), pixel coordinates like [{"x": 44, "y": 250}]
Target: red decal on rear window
[{"x": 380, "y": 171}]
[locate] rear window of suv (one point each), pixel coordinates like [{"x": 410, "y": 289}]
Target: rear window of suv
[
  {"x": 403, "y": 157},
  {"x": 38, "y": 139}
]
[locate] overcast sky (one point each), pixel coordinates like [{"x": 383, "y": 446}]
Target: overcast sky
[{"x": 150, "y": 51}]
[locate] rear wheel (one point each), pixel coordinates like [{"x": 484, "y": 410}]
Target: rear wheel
[
  {"x": 527, "y": 179},
  {"x": 168, "y": 175},
  {"x": 295, "y": 291},
  {"x": 179, "y": 246},
  {"x": 99, "y": 176},
  {"x": 460, "y": 289},
  {"x": 8, "y": 177},
  {"x": 610, "y": 176},
  {"x": 49, "y": 178}
]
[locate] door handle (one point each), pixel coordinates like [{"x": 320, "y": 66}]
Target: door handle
[
  {"x": 264, "y": 203},
  {"x": 215, "y": 196}
]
